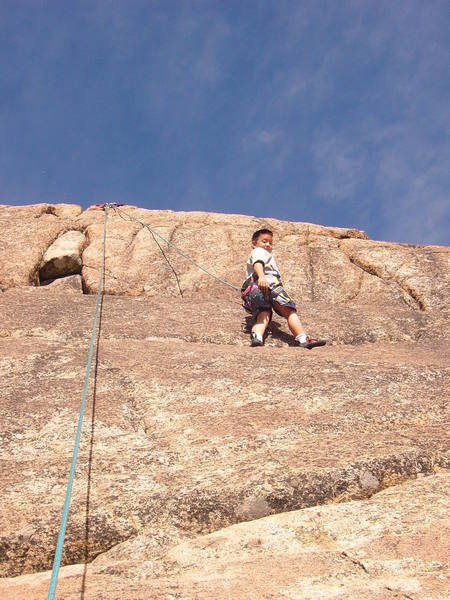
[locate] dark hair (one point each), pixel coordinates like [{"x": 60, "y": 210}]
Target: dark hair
[{"x": 256, "y": 235}]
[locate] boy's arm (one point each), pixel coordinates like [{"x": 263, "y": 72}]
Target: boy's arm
[{"x": 258, "y": 267}]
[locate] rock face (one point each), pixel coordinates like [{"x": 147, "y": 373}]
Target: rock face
[
  {"x": 27, "y": 233},
  {"x": 63, "y": 258},
  {"x": 71, "y": 283},
  {"x": 208, "y": 468}
]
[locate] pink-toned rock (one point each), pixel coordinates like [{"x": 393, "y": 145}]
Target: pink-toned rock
[
  {"x": 71, "y": 284},
  {"x": 381, "y": 548},
  {"x": 63, "y": 258},
  {"x": 408, "y": 268},
  {"x": 189, "y": 431},
  {"x": 319, "y": 264},
  {"x": 27, "y": 233}
]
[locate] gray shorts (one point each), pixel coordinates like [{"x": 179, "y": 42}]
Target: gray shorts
[{"x": 256, "y": 301}]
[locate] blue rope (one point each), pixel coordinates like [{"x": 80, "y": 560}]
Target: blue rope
[{"x": 62, "y": 529}]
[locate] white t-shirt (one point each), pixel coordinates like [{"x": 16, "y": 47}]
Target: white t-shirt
[{"x": 270, "y": 266}]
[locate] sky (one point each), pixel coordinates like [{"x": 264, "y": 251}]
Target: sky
[{"x": 330, "y": 112}]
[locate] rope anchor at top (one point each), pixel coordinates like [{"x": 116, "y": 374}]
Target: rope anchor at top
[{"x": 104, "y": 205}]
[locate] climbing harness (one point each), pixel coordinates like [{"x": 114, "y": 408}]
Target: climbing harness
[
  {"x": 253, "y": 299},
  {"x": 248, "y": 287},
  {"x": 62, "y": 529}
]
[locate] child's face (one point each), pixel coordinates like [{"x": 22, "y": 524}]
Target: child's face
[{"x": 265, "y": 241}]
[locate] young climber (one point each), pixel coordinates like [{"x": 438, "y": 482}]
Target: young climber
[{"x": 263, "y": 291}]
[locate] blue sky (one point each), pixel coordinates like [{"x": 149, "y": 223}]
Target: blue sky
[{"x": 331, "y": 112}]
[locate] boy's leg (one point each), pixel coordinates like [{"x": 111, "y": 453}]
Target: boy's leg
[
  {"x": 261, "y": 307},
  {"x": 294, "y": 323},
  {"x": 262, "y": 320},
  {"x": 296, "y": 327}
]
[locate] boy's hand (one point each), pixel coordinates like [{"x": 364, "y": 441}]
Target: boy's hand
[
  {"x": 262, "y": 284},
  {"x": 262, "y": 281}
]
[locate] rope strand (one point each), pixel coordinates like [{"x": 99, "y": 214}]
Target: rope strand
[
  {"x": 169, "y": 243},
  {"x": 62, "y": 529},
  {"x": 63, "y": 525}
]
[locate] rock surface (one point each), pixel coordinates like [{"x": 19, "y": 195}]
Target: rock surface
[
  {"x": 72, "y": 284},
  {"x": 195, "y": 447},
  {"x": 383, "y": 548},
  {"x": 27, "y": 233},
  {"x": 63, "y": 258}
]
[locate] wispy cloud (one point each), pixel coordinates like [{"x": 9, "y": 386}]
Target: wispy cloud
[
  {"x": 339, "y": 166},
  {"x": 393, "y": 152},
  {"x": 317, "y": 111},
  {"x": 413, "y": 182},
  {"x": 261, "y": 138}
]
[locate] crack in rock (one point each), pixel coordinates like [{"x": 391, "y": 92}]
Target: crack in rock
[
  {"x": 310, "y": 266},
  {"x": 130, "y": 247},
  {"x": 209, "y": 510},
  {"x": 173, "y": 233},
  {"x": 396, "y": 592},
  {"x": 358, "y": 287},
  {"x": 372, "y": 270},
  {"x": 34, "y": 273},
  {"x": 206, "y": 511},
  {"x": 91, "y": 557},
  {"x": 355, "y": 562}
]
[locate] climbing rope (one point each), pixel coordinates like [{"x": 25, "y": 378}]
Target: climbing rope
[
  {"x": 154, "y": 233},
  {"x": 125, "y": 216},
  {"x": 62, "y": 529}
]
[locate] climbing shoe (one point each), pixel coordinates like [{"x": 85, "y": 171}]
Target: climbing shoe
[
  {"x": 256, "y": 340},
  {"x": 311, "y": 343}
]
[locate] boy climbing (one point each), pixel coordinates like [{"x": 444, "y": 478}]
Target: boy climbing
[{"x": 263, "y": 291}]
